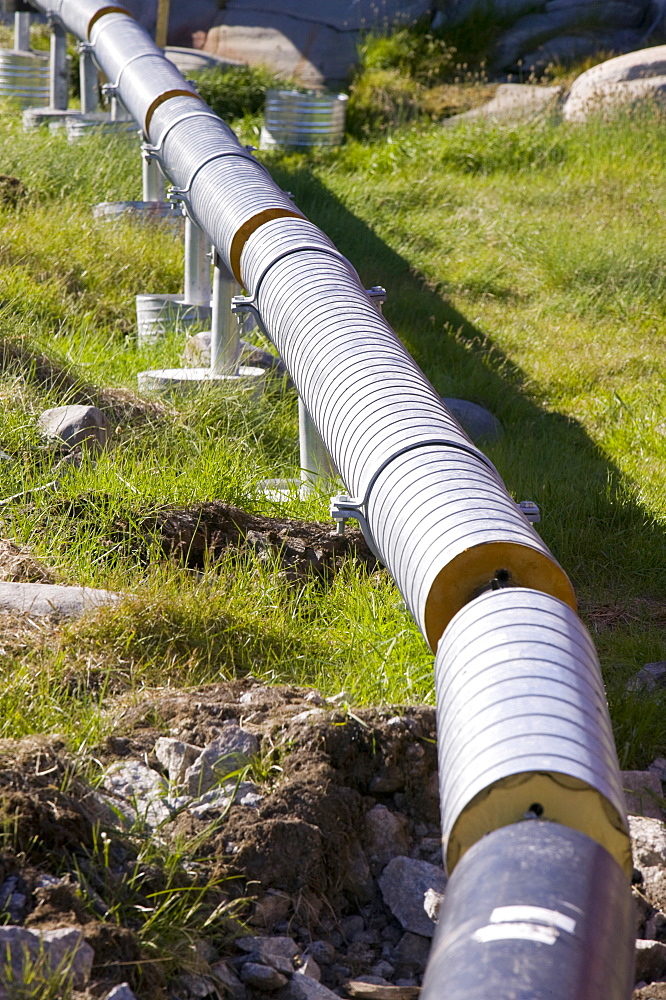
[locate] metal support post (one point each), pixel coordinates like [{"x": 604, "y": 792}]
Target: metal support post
[
  {"x": 316, "y": 465},
  {"x": 154, "y": 189},
  {"x": 22, "y": 31},
  {"x": 89, "y": 80},
  {"x": 197, "y": 264},
  {"x": 224, "y": 335},
  {"x": 58, "y": 82}
]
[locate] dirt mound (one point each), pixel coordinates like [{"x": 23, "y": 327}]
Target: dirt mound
[{"x": 17, "y": 565}]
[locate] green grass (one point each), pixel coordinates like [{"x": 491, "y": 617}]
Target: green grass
[{"x": 523, "y": 265}]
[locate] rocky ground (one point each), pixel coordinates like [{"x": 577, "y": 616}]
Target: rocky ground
[{"x": 305, "y": 832}]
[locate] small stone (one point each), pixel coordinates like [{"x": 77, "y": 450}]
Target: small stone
[
  {"x": 314, "y": 698},
  {"x": 270, "y": 909},
  {"x": 386, "y": 834},
  {"x": 53, "y": 599},
  {"x": 476, "y": 420},
  {"x": 262, "y": 977},
  {"x": 176, "y": 756},
  {"x": 352, "y": 925},
  {"x": 230, "y": 752},
  {"x": 309, "y": 968},
  {"x": 57, "y": 952},
  {"x": 650, "y": 960},
  {"x": 659, "y": 767},
  {"x": 140, "y": 785},
  {"x": 228, "y": 979},
  {"x": 323, "y": 952},
  {"x": 642, "y": 791},
  {"x": 411, "y": 955},
  {"x": 648, "y": 841},
  {"x": 432, "y": 904},
  {"x": 404, "y": 883},
  {"x": 76, "y": 425},
  {"x": 304, "y": 988},
  {"x": 383, "y": 969},
  {"x": 278, "y": 952},
  {"x": 4, "y": 457},
  {"x": 122, "y": 992},
  {"x": 651, "y": 677}
]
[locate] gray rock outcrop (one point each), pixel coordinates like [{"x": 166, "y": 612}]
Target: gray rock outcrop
[
  {"x": 76, "y": 425},
  {"x": 55, "y": 953},
  {"x": 628, "y": 78}
]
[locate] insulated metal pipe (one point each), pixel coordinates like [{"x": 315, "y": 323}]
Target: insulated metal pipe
[
  {"x": 534, "y": 911},
  {"x": 523, "y": 725},
  {"x": 58, "y": 82},
  {"x": 434, "y": 507},
  {"x": 22, "y": 21}
]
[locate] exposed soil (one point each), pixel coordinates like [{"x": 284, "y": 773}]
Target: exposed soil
[
  {"x": 301, "y": 862},
  {"x": 18, "y": 565}
]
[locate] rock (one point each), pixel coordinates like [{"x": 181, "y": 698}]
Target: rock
[
  {"x": 650, "y": 960},
  {"x": 531, "y": 31},
  {"x": 176, "y": 756},
  {"x": 658, "y": 766},
  {"x": 262, "y": 977},
  {"x": 4, "y": 457},
  {"x": 304, "y": 988},
  {"x": 122, "y": 992},
  {"x": 386, "y": 834},
  {"x": 567, "y": 48},
  {"x": 432, "y": 904},
  {"x": 309, "y": 968},
  {"x": 653, "y": 886},
  {"x": 228, "y": 753},
  {"x": 648, "y": 841},
  {"x": 358, "y": 884},
  {"x": 511, "y": 100},
  {"x": 269, "y": 910},
  {"x": 411, "y": 955},
  {"x": 655, "y": 992},
  {"x": 453, "y": 12},
  {"x": 475, "y": 419},
  {"x": 245, "y": 793},
  {"x": 144, "y": 788},
  {"x": 642, "y": 790},
  {"x": 383, "y": 969},
  {"x": 50, "y": 954},
  {"x": 53, "y": 599},
  {"x": 323, "y": 952},
  {"x": 76, "y": 425},
  {"x": 651, "y": 677},
  {"x": 278, "y": 952},
  {"x": 222, "y": 972},
  {"x": 403, "y": 884},
  {"x": 606, "y": 85}
]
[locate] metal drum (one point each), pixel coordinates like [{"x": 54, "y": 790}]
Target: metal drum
[
  {"x": 295, "y": 119},
  {"x": 24, "y": 78}
]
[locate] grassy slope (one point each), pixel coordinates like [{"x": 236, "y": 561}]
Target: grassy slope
[{"x": 524, "y": 271}]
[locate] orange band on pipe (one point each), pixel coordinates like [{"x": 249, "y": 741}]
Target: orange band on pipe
[
  {"x": 473, "y": 569},
  {"x": 111, "y": 9},
  {"x": 243, "y": 234},
  {"x": 166, "y": 96}
]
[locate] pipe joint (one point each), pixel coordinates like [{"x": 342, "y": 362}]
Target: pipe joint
[{"x": 343, "y": 507}]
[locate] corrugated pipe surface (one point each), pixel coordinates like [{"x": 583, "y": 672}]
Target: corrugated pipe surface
[{"x": 523, "y": 728}]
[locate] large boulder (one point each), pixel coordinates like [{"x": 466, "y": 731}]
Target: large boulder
[{"x": 632, "y": 77}]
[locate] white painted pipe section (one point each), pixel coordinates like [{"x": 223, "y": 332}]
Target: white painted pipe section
[
  {"x": 22, "y": 31},
  {"x": 88, "y": 80},
  {"x": 224, "y": 334},
  {"x": 197, "y": 289},
  {"x": 58, "y": 82}
]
